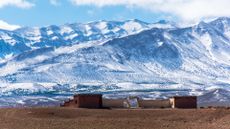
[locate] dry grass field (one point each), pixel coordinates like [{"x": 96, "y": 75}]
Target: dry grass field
[{"x": 67, "y": 118}]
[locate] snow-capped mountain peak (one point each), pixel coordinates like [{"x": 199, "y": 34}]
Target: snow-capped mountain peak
[
  {"x": 36, "y": 38},
  {"x": 119, "y": 56}
]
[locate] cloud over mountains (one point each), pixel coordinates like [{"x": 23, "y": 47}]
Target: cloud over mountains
[
  {"x": 6, "y": 26},
  {"x": 187, "y": 10}
]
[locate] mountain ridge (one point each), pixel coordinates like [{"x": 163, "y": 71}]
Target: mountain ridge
[
  {"x": 35, "y": 37},
  {"x": 182, "y": 61}
]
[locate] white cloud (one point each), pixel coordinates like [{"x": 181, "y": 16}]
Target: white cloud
[
  {"x": 55, "y": 2},
  {"x": 17, "y": 3},
  {"x": 188, "y": 10},
  {"x": 6, "y": 26}
]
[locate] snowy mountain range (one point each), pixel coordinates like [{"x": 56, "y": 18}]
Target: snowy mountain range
[
  {"x": 27, "y": 38},
  {"x": 132, "y": 57}
]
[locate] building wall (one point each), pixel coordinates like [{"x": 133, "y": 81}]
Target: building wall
[
  {"x": 113, "y": 103},
  {"x": 184, "y": 102},
  {"x": 154, "y": 103},
  {"x": 88, "y": 101},
  {"x": 119, "y": 103}
]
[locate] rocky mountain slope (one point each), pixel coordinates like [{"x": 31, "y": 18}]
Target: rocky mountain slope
[{"x": 116, "y": 57}]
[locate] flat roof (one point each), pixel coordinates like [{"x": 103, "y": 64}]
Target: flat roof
[
  {"x": 88, "y": 95},
  {"x": 184, "y": 97}
]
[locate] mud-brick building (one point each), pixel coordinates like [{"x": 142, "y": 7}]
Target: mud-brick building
[
  {"x": 88, "y": 100},
  {"x": 183, "y": 102},
  {"x": 84, "y": 101},
  {"x": 97, "y": 101}
]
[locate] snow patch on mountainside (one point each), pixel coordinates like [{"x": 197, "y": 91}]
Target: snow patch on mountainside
[
  {"x": 117, "y": 59},
  {"x": 216, "y": 97}
]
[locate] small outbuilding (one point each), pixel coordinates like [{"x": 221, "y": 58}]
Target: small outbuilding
[
  {"x": 184, "y": 102},
  {"x": 84, "y": 101},
  {"x": 88, "y": 100}
]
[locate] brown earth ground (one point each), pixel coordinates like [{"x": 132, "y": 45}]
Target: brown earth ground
[{"x": 67, "y": 118}]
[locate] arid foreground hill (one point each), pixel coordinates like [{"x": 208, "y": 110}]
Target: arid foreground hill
[{"x": 62, "y": 118}]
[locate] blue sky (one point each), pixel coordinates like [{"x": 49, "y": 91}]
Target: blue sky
[
  {"x": 44, "y": 13},
  {"x": 47, "y": 12}
]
